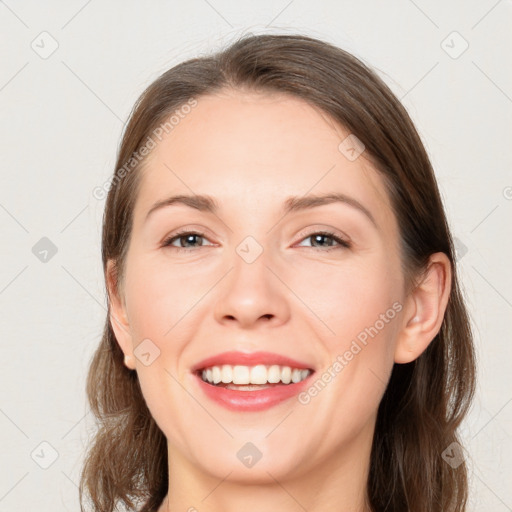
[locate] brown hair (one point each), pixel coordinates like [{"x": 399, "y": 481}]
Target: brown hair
[{"x": 425, "y": 400}]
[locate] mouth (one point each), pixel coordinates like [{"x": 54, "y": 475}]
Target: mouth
[
  {"x": 251, "y": 382},
  {"x": 252, "y": 378}
]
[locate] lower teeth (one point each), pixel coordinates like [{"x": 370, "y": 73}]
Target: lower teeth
[
  {"x": 247, "y": 387},
  {"x": 244, "y": 387}
]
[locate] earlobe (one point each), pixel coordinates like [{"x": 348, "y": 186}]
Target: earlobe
[
  {"x": 129, "y": 362},
  {"x": 118, "y": 317},
  {"x": 425, "y": 310}
]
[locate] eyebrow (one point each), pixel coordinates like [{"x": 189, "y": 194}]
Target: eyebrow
[{"x": 205, "y": 203}]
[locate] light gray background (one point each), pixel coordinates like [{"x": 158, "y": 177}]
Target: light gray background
[{"x": 61, "y": 121}]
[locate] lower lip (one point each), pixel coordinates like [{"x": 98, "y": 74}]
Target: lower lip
[{"x": 258, "y": 400}]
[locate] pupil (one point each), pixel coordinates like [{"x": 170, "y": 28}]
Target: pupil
[
  {"x": 189, "y": 238},
  {"x": 317, "y": 237}
]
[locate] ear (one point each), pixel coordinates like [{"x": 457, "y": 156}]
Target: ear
[
  {"x": 117, "y": 315},
  {"x": 425, "y": 309}
]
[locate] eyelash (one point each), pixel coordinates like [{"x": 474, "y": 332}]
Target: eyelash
[{"x": 343, "y": 244}]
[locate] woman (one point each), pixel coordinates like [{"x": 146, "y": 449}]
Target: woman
[{"x": 310, "y": 349}]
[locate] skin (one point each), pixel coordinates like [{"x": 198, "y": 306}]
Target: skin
[{"x": 250, "y": 152}]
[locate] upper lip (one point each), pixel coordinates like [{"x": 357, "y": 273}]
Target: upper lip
[{"x": 249, "y": 359}]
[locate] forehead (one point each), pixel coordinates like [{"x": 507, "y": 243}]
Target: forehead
[{"x": 251, "y": 150}]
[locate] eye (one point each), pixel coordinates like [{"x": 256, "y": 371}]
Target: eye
[
  {"x": 192, "y": 237},
  {"x": 185, "y": 237},
  {"x": 321, "y": 236}
]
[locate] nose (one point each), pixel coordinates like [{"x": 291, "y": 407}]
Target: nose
[{"x": 252, "y": 294}]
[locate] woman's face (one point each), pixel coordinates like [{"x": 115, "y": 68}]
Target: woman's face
[{"x": 260, "y": 277}]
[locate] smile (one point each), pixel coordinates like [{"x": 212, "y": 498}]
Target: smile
[
  {"x": 242, "y": 376},
  {"x": 251, "y": 381}
]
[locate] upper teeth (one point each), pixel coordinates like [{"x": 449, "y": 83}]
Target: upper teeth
[{"x": 259, "y": 374}]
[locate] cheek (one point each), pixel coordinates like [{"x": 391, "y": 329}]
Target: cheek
[
  {"x": 357, "y": 313},
  {"x": 161, "y": 294},
  {"x": 163, "y": 303},
  {"x": 160, "y": 303},
  {"x": 346, "y": 298}
]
